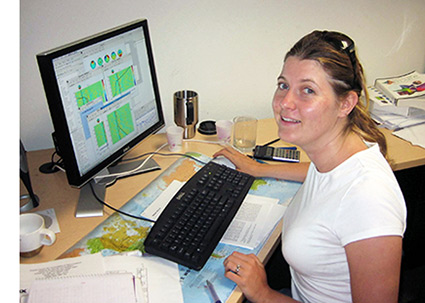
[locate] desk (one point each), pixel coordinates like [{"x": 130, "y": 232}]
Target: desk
[{"x": 54, "y": 191}]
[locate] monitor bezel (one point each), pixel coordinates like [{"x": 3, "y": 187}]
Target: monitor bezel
[{"x": 62, "y": 137}]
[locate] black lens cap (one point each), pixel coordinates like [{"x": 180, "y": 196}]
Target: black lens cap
[{"x": 207, "y": 127}]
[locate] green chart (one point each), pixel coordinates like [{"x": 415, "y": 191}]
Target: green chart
[
  {"x": 90, "y": 93},
  {"x": 99, "y": 130},
  {"x": 122, "y": 81},
  {"x": 120, "y": 123}
]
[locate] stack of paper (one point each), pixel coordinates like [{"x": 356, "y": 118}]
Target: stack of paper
[{"x": 131, "y": 278}]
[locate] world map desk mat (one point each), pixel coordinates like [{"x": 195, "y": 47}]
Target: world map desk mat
[{"x": 120, "y": 233}]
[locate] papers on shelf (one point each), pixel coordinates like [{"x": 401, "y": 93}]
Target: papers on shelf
[
  {"x": 393, "y": 117},
  {"x": 413, "y": 134},
  {"x": 253, "y": 222},
  {"x": 406, "y": 122},
  {"x": 149, "y": 274}
]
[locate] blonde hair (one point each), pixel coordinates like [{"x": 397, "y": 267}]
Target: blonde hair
[{"x": 336, "y": 54}]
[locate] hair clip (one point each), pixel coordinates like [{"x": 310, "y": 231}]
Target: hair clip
[{"x": 348, "y": 48}]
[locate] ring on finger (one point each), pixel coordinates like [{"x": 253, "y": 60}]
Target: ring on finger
[{"x": 238, "y": 268}]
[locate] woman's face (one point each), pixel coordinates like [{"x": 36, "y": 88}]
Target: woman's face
[{"x": 306, "y": 109}]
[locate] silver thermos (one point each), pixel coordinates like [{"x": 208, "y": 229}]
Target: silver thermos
[{"x": 186, "y": 111}]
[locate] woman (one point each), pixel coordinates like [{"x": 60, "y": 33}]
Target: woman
[{"x": 342, "y": 232}]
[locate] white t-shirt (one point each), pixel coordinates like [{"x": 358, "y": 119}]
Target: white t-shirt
[{"x": 359, "y": 199}]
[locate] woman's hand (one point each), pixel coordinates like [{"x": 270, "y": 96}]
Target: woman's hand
[
  {"x": 248, "y": 273},
  {"x": 285, "y": 171},
  {"x": 242, "y": 162}
]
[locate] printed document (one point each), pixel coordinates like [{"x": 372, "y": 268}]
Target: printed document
[{"x": 254, "y": 221}]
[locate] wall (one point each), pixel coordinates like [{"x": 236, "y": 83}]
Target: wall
[{"x": 230, "y": 52}]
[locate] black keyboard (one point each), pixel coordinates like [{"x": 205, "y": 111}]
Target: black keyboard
[{"x": 192, "y": 224}]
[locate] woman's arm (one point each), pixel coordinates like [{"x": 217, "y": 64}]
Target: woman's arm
[
  {"x": 375, "y": 269},
  {"x": 285, "y": 171}
]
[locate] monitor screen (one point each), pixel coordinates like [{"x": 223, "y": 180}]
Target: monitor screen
[{"x": 103, "y": 97}]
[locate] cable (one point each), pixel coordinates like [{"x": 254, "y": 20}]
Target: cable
[
  {"x": 169, "y": 154},
  {"x": 134, "y": 216},
  {"x": 121, "y": 174},
  {"x": 117, "y": 210},
  {"x": 176, "y": 154},
  {"x": 151, "y": 154},
  {"x": 52, "y": 166},
  {"x": 134, "y": 169}
]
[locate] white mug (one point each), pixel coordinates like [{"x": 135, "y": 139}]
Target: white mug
[{"x": 33, "y": 235}]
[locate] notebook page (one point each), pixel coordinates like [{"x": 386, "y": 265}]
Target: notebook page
[{"x": 107, "y": 288}]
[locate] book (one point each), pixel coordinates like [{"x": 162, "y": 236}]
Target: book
[
  {"x": 380, "y": 103},
  {"x": 406, "y": 90}
]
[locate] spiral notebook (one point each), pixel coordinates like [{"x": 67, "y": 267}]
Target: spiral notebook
[{"x": 105, "y": 288}]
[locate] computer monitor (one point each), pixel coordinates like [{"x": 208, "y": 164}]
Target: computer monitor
[{"x": 103, "y": 98}]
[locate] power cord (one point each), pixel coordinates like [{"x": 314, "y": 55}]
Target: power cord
[
  {"x": 135, "y": 158},
  {"x": 169, "y": 154},
  {"x": 130, "y": 172},
  {"x": 150, "y": 155},
  {"x": 117, "y": 210},
  {"x": 52, "y": 166}
]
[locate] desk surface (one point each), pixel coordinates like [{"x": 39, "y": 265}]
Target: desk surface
[{"x": 54, "y": 191}]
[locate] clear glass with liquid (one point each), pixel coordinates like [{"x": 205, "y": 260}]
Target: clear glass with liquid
[{"x": 244, "y": 133}]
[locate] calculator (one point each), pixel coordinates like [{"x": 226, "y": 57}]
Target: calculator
[{"x": 276, "y": 154}]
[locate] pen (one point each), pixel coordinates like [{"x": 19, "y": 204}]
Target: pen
[
  {"x": 214, "y": 295},
  {"x": 271, "y": 142}
]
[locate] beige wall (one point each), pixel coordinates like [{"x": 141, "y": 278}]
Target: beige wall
[{"x": 230, "y": 52}]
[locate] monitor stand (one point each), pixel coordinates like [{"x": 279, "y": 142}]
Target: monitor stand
[{"x": 88, "y": 204}]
